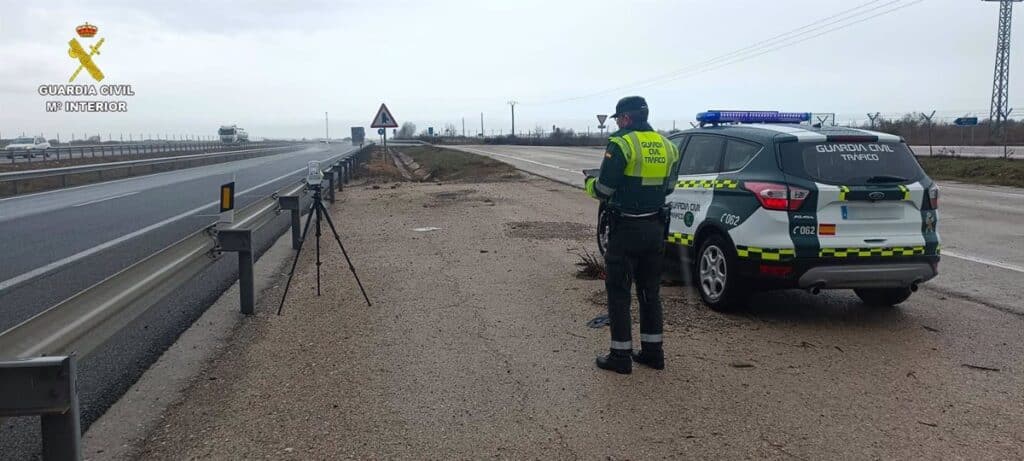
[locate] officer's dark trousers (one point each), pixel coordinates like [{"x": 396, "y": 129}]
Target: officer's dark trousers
[{"x": 635, "y": 250}]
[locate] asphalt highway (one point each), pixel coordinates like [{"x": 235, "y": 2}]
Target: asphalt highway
[
  {"x": 981, "y": 227},
  {"x": 57, "y": 243}
]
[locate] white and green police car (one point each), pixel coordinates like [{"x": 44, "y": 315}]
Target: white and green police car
[{"x": 766, "y": 201}]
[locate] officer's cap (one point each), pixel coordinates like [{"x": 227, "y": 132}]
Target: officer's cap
[{"x": 630, "y": 104}]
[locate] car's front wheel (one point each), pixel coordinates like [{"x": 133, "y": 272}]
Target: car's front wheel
[
  {"x": 718, "y": 282},
  {"x": 883, "y": 297}
]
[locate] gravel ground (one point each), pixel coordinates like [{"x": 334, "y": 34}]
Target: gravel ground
[{"x": 477, "y": 346}]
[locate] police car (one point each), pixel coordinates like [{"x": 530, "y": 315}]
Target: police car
[{"x": 764, "y": 200}]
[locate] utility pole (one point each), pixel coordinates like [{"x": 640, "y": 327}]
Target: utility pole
[
  {"x": 512, "y": 104},
  {"x": 482, "y": 125},
  {"x": 1001, "y": 75},
  {"x": 928, "y": 119},
  {"x": 327, "y": 131},
  {"x": 463, "y": 127}
]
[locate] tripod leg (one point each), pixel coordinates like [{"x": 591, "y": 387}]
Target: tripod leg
[
  {"x": 345, "y": 253},
  {"x": 318, "y": 262},
  {"x": 291, "y": 273}
]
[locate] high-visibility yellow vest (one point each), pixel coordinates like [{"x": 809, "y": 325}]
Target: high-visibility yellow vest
[{"x": 649, "y": 156}]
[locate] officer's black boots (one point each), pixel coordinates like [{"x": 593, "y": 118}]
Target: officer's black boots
[
  {"x": 651, "y": 356},
  {"x": 616, "y": 361}
]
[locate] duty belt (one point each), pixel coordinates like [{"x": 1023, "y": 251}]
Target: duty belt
[{"x": 643, "y": 215}]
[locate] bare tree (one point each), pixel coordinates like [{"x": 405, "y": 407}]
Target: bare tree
[{"x": 407, "y": 130}]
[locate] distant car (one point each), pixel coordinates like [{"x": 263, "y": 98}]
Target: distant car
[
  {"x": 27, "y": 147},
  {"x": 325, "y": 141}
]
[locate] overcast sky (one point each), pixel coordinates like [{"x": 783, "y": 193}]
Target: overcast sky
[{"x": 275, "y": 67}]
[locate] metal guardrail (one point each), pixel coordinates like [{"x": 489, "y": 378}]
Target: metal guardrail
[
  {"x": 15, "y": 178},
  {"x": 78, "y": 325},
  {"x": 115, "y": 149}
]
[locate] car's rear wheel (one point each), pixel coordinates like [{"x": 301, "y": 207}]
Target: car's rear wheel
[
  {"x": 883, "y": 297},
  {"x": 718, "y": 281}
]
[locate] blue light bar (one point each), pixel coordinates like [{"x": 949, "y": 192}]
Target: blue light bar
[{"x": 749, "y": 116}]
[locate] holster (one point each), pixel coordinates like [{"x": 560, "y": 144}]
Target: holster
[
  {"x": 665, "y": 213},
  {"x": 614, "y": 216}
]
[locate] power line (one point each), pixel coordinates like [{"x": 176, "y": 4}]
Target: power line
[
  {"x": 774, "y": 43},
  {"x": 785, "y": 45},
  {"x": 730, "y": 54}
]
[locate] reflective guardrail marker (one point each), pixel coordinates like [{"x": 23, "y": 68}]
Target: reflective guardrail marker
[{"x": 227, "y": 203}]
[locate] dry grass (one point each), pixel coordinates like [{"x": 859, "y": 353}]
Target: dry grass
[
  {"x": 590, "y": 266},
  {"x": 995, "y": 171}
]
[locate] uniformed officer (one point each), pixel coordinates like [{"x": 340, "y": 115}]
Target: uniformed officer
[{"x": 638, "y": 171}]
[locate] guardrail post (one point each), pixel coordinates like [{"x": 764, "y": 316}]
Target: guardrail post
[
  {"x": 339, "y": 170},
  {"x": 291, "y": 203},
  {"x": 45, "y": 386},
  {"x": 330, "y": 184},
  {"x": 240, "y": 241}
]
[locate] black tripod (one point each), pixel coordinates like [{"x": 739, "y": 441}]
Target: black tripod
[{"x": 318, "y": 210}]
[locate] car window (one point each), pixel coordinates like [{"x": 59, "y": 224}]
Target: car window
[
  {"x": 703, "y": 155},
  {"x": 856, "y": 163},
  {"x": 738, "y": 154}
]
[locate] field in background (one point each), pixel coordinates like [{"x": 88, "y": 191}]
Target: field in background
[{"x": 991, "y": 171}]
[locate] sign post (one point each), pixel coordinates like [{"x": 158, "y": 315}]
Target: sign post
[
  {"x": 600, "y": 122},
  {"x": 965, "y": 122},
  {"x": 382, "y": 121}
]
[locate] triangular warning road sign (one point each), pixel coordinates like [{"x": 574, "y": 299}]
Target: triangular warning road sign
[{"x": 384, "y": 119}]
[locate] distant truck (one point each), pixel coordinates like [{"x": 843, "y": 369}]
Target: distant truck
[{"x": 233, "y": 134}]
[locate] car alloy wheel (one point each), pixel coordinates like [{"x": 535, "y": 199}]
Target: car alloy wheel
[{"x": 713, "y": 274}]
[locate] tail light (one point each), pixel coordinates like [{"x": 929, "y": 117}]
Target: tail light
[
  {"x": 774, "y": 196},
  {"x": 933, "y": 196}
]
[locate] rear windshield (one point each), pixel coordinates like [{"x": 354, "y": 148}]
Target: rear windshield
[{"x": 851, "y": 163}]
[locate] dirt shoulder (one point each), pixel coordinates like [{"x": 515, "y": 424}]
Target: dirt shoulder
[{"x": 477, "y": 346}]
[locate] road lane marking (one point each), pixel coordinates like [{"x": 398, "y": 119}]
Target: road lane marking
[
  {"x": 17, "y": 280},
  {"x": 104, "y": 199},
  {"x": 989, "y": 262},
  {"x": 484, "y": 152},
  {"x": 981, "y": 191}
]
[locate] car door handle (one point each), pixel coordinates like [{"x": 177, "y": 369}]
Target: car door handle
[{"x": 875, "y": 240}]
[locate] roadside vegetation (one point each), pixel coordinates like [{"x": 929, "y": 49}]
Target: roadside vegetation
[
  {"x": 991, "y": 171},
  {"x": 453, "y": 165}
]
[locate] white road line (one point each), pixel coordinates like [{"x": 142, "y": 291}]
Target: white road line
[
  {"x": 103, "y": 246},
  {"x": 988, "y": 262},
  {"x": 981, "y": 191},
  {"x": 104, "y": 199},
  {"x": 484, "y": 152}
]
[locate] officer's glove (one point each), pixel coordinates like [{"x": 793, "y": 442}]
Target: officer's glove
[{"x": 589, "y": 184}]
